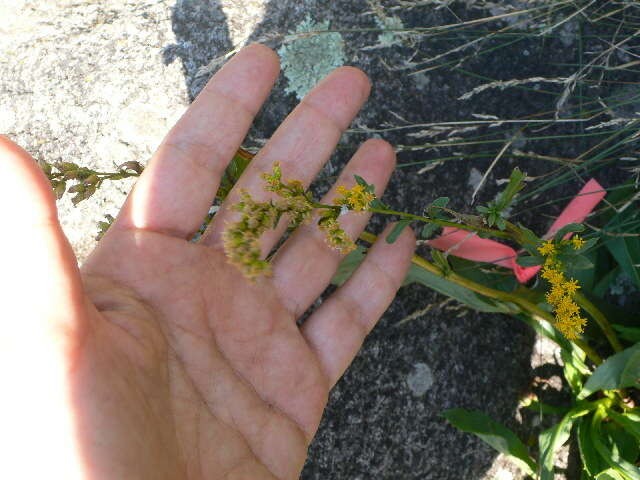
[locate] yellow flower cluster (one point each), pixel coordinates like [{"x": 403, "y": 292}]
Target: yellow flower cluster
[
  {"x": 356, "y": 198},
  {"x": 560, "y": 297},
  {"x": 335, "y": 236},
  {"x": 242, "y": 238}
]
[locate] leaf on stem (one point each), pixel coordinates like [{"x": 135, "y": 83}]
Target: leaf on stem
[
  {"x": 621, "y": 370},
  {"x": 397, "y": 230},
  {"x": 569, "y": 228},
  {"x": 494, "y": 434}
]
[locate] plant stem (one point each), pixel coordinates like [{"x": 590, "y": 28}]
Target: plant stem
[
  {"x": 525, "y": 306},
  {"x": 600, "y": 319},
  {"x": 442, "y": 223}
]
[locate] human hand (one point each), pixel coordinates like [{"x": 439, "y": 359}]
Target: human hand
[{"x": 158, "y": 359}]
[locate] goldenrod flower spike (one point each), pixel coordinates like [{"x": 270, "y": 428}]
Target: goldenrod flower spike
[
  {"x": 242, "y": 238},
  {"x": 560, "y": 297}
]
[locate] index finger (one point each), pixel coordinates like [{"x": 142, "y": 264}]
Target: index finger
[{"x": 176, "y": 190}]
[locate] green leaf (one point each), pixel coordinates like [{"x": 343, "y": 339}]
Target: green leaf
[
  {"x": 618, "y": 371},
  {"x": 377, "y": 204},
  {"x": 348, "y": 265},
  {"x": 569, "y": 228},
  {"x": 514, "y": 186},
  {"x": 478, "y": 272},
  {"x": 591, "y": 459},
  {"x": 496, "y": 435},
  {"x": 626, "y": 251},
  {"x": 436, "y": 206},
  {"x": 428, "y": 230},
  {"x": 455, "y": 291},
  {"x": 530, "y": 236},
  {"x": 361, "y": 181},
  {"x": 532, "y": 403},
  {"x": 588, "y": 245},
  {"x": 576, "y": 262},
  {"x": 604, "y": 283},
  {"x": 552, "y": 439},
  {"x": 621, "y": 441},
  {"x": 610, "y": 474},
  {"x": 571, "y": 372},
  {"x": 544, "y": 328},
  {"x": 611, "y": 455},
  {"x": 629, "y": 421},
  {"x": 232, "y": 173},
  {"x": 529, "y": 261},
  {"x": 441, "y": 261},
  {"x": 397, "y": 230},
  {"x": 630, "y": 334}
]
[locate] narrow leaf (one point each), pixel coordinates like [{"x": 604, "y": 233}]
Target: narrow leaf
[
  {"x": 397, "y": 230},
  {"x": 569, "y": 228},
  {"x": 591, "y": 459},
  {"x": 571, "y": 373},
  {"x": 455, "y": 291},
  {"x": 494, "y": 434},
  {"x": 428, "y": 230},
  {"x": 610, "y": 474},
  {"x": 529, "y": 261},
  {"x": 626, "y": 251},
  {"x": 630, "y": 334},
  {"x": 348, "y": 265},
  {"x": 552, "y": 439},
  {"x": 611, "y": 456},
  {"x": 629, "y": 421}
]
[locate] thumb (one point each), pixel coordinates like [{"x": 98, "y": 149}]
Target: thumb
[
  {"x": 42, "y": 292},
  {"x": 41, "y": 312}
]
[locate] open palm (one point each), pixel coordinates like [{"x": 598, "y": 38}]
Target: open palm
[{"x": 158, "y": 359}]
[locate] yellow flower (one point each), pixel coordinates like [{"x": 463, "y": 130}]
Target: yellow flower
[
  {"x": 571, "y": 326},
  {"x": 357, "y": 198},
  {"x": 555, "y": 295},
  {"x": 577, "y": 242},
  {"x": 336, "y": 237},
  {"x": 547, "y": 248},
  {"x": 552, "y": 274},
  {"x": 571, "y": 286}
]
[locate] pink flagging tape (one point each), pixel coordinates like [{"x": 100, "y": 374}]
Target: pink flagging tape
[{"x": 465, "y": 244}]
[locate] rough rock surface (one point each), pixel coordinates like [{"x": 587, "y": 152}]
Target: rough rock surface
[{"x": 99, "y": 82}]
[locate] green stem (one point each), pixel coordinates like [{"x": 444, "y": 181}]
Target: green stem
[
  {"x": 442, "y": 223},
  {"x": 600, "y": 319},
  {"x": 514, "y": 235},
  {"x": 526, "y": 306}
]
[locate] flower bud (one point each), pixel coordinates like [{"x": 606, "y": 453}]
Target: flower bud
[
  {"x": 46, "y": 168},
  {"x": 59, "y": 189},
  {"x": 132, "y": 165},
  {"x": 68, "y": 166},
  {"x": 91, "y": 179}
]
